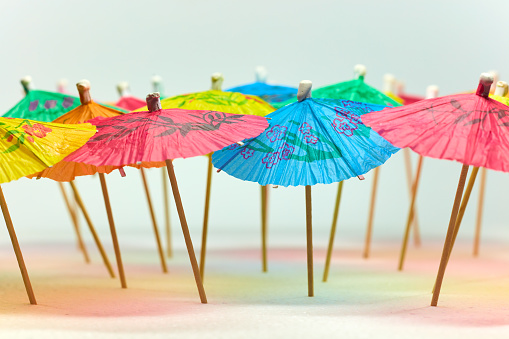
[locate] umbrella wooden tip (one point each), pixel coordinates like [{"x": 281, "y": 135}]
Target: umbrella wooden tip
[
  {"x": 304, "y": 90},
  {"x": 261, "y": 74},
  {"x": 217, "y": 81},
  {"x": 389, "y": 83},
  {"x": 485, "y": 81},
  {"x": 501, "y": 88},
  {"x": 83, "y": 85},
  {"x": 26, "y": 80},
  {"x": 157, "y": 79},
  {"x": 360, "y": 70},
  {"x": 431, "y": 91},
  {"x": 153, "y": 102},
  {"x": 123, "y": 88}
]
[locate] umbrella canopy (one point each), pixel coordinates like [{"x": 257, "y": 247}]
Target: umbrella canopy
[
  {"x": 309, "y": 142},
  {"x": 136, "y": 138},
  {"x": 28, "y": 146},
  {"x": 469, "y": 128},
  {"x": 43, "y": 106},
  {"x": 68, "y": 171},
  {"x": 268, "y": 92},
  {"x": 355, "y": 90},
  {"x": 218, "y": 100}
]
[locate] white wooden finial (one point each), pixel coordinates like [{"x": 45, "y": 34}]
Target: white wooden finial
[
  {"x": 389, "y": 83},
  {"x": 84, "y": 91},
  {"x": 360, "y": 71},
  {"x": 431, "y": 92},
  {"x": 26, "y": 82},
  {"x": 304, "y": 91},
  {"x": 501, "y": 89},
  {"x": 123, "y": 89},
  {"x": 495, "y": 80},
  {"x": 217, "y": 82},
  {"x": 62, "y": 85},
  {"x": 485, "y": 82},
  {"x": 153, "y": 102},
  {"x": 157, "y": 83},
  {"x": 261, "y": 74}
]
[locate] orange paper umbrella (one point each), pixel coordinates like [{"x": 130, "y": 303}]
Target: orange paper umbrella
[{"x": 29, "y": 146}]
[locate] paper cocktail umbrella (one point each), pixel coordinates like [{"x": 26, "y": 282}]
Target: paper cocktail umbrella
[
  {"x": 67, "y": 171},
  {"x": 29, "y": 146},
  {"x": 498, "y": 94},
  {"x": 390, "y": 88},
  {"x": 161, "y": 135},
  {"x": 308, "y": 142},
  {"x": 47, "y": 106},
  {"x": 469, "y": 128},
  {"x": 228, "y": 102},
  {"x": 268, "y": 92},
  {"x": 127, "y": 101}
]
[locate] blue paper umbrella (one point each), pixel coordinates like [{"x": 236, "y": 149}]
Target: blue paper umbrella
[
  {"x": 270, "y": 93},
  {"x": 309, "y": 142}
]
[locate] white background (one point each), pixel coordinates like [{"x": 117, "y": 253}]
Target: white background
[{"x": 447, "y": 43}]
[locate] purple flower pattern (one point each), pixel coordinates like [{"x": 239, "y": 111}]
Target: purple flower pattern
[
  {"x": 277, "y": 132},
  {"x": 345, "y": 122},
  {"x": 247, "y": 153}
]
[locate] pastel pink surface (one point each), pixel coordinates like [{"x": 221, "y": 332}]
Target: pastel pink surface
[
  {"x": 468, "y": 128},
  {"x": 130, "y": 103},
  {"x": 165, "y": 134},
  {"x": 409, "y": 99}
]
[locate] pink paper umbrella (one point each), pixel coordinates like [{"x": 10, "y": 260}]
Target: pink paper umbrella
[
  {"x": 162, "y": 135},
  {"x": 472, "y": 129},
  {"x": 127, "y": 101}
]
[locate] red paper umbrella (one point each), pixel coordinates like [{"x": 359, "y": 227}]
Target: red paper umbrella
[
  {"x": 127, "y": 101},
  {"x": 470, "y": 128},
  {"x": 162, "y": 135}
]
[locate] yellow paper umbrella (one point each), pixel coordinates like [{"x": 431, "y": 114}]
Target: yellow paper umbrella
[
  {"x": 227, "y": 102},
  {"x": 26, "y": 147}
]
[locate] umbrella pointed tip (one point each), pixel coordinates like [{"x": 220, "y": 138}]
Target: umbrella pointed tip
[
  {"x": 123, "y": 88},
  {"x": 389, "y": 83},
  {"x": 485, "y": 81},
  {"x": 217, "y": 81},
  {"x": 84, "y": 83},
  {"x": 304, "y": 91},
  {"x": 431, "y": 91},
  {"x": 261, "y": 74},
  {"x": 83, "y": 87},
  {"x": 501, "y": 89},
  {"x": 26, "y": 82},
  {"x": 153, "y": 101},
  {"x": 157, "y": 79},
  {"x": 360, "y": 70}
]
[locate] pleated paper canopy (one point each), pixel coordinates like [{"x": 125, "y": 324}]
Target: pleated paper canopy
[
  {"x": 355, "y": 90},
  {"x": 135, "y": 138},
  {"x": 43, "y": 106},
  {"x": 309, "y": 142},
  {"x": 227, "y": 102},
  {"x": 130, "y": 103},
  {"x": 270, "y": 93},
  {"x": 28, "y": 146},
  {"x": 469, "y": 128}
]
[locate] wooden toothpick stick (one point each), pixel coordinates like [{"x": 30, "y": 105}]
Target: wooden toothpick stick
[
  {"x": 74, "y": 219},
  {"x": 332, "y": 232},
  {"x": 367, "y": 241},
  {"x": 169, "y": 249},
  {"x": 410, "y": 214},
  {"x": 264, "y": 193},
  {"x": 480, "y": 207},
  {"x": 448, "y": 240},
  {"x": 205, "y": 229},
  {"x": 92, "y": 230},
  {"x": 154, "y": 222},
  {"x": 309, "y": 238},
  {"x": 113, "y": 231},
  {"x": 17, "y": 249},
  {"x": 185, "y": 231}
]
